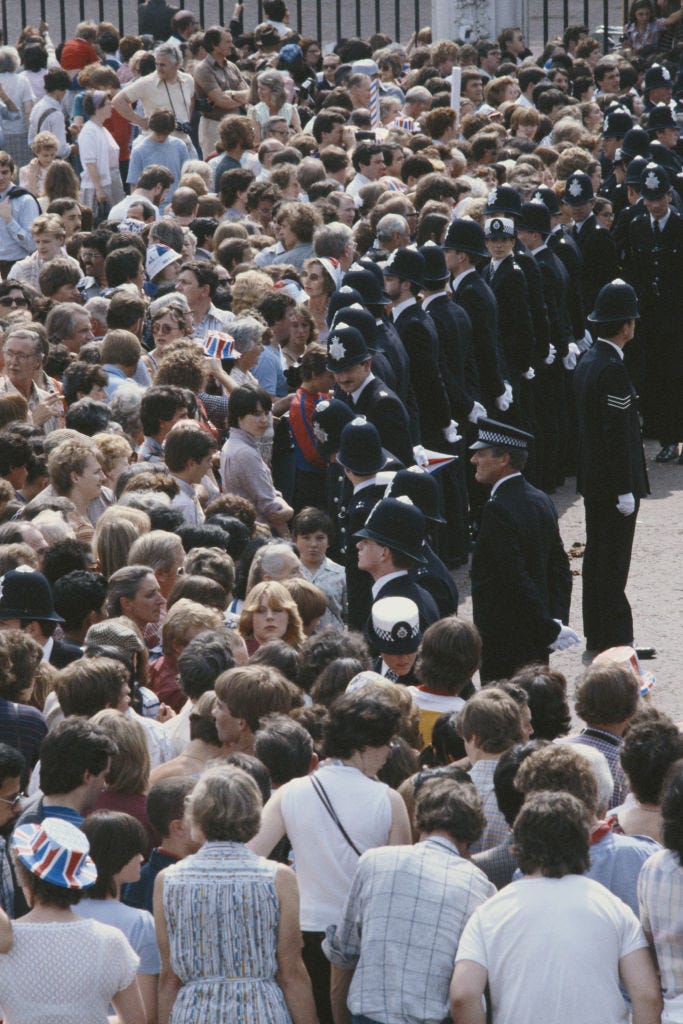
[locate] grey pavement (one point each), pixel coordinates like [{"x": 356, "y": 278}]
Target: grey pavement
[{"x": 655, "y": 587}]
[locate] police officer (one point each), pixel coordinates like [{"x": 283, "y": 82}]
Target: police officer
[
  {"x": 656, "y": 271},
  {"x": 361, "y": 456},
  {"x": 597, "y": 248},
  {"x": 662, "y": 127},
  {"x": 329, "y": 419},
  {"x": 421, "y": 487},
  {"x": 464, "y": 249},
  {"x": 403, "y": 279},
  {"x": 349, "y": 359},
  {"x": 367, "y": 279},
  {"x": 521, "y": 583},
  {"x": 389, "y": 544},
  {"x": 611, "y": 468},
  {"x": 459, "y": 371}
]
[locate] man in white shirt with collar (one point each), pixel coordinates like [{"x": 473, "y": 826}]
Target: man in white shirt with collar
[
  {"x": 167, "y": 88},
  {"x": 368, "y": 163},
  {"x": 521, "y": 583},
  {"x": 188, "y": 453},
  {"x": 198, "y": 282},
  {"x": 611, "y": 473}
]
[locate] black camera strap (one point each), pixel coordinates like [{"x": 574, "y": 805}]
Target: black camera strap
[
  {"x": 327, "y": 804},
  {"x": 187, "y": 109}
]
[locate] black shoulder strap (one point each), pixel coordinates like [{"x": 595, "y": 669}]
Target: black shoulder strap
[
  {"x": 325, "y": 800},
  {"x": 17, "y": 191}
]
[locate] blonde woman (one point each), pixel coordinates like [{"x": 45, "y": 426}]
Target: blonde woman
[
  {"x": 116, "y": 531},
  {"x": 32, "y": 174},
  {"x": 270, "y": 613}
]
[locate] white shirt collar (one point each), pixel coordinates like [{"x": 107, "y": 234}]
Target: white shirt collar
[
  {"x": 397, "y": 310},
  {"x": 435, "y": 295},
  {"x": 502, "y": 480},
  {"x": 355, "y": 395},
  {"x": 47, "y": 648},
  {"x": 612, "y": 345},
  {"x": 539, "y": 249},
  {"x": 461, "y": 277},
  {"x": 662, "y": 220},
  {"x": 364, "y": 483},
  {"x": 378, "y": 584}
]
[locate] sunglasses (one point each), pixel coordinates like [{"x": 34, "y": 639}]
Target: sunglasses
[{"x": 13, "y": 300}]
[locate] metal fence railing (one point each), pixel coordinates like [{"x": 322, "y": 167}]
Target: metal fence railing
[{"x": 317, "y": 18}]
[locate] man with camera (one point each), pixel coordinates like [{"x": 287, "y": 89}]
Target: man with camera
[
  {"x": 167, "y": 88},
  {"x": 220, "y": 87}
]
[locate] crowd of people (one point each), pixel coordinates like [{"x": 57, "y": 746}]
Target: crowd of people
[{"x": 288, "y": 332}]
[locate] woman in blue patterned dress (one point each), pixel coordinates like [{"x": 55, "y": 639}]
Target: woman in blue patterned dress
[{"x": 228, "y": 921}]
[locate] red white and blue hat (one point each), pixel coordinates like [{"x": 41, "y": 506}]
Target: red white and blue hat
[
  {"x": 219, "y": 345},
  {"x": 57, "y": 852}
]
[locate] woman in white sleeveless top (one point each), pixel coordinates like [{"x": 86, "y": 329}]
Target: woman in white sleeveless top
[{"x": 333, "y": 816}]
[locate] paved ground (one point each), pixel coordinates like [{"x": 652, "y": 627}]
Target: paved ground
[{"x": 655, "y": 586}]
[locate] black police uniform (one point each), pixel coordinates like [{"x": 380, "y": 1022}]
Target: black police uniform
[
  {"x": 435, "y": 578},
  {"x": 610, "y": 463},
  {"x": 385, "y": 410},
  {"x": 599, "y": 258},
  {"x": 420, "y": 339},
  {"x": 521, "y": 581},
  {"x": 656, "y": 271},
  {"x": 479, "y": 302},
  {"x": 358, "y": 583}
]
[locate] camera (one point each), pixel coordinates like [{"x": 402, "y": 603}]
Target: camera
[
  {"x": 183, "y": 126},
  {"x": 204, "y": 105}
]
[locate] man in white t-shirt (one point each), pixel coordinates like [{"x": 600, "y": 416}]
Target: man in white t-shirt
[{"x": 554, "y": 946}]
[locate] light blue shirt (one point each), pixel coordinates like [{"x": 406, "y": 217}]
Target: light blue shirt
[
  {"x": 171, "y": 154},
  {"x": 15, "y": 238}
]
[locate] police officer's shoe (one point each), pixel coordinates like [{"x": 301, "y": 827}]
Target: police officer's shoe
[{"x": 668, "y": 453}]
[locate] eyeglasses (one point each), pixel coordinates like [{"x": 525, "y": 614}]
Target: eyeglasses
[
  {"x": 15, "y": 802},
  {"x": 8, "y": 354},
  {"x": 13, "y": 300}
]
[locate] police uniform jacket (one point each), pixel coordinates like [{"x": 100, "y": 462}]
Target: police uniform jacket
[
  {"x": 435, "y": 578},
  {"x": 385, "y": 410},
  {"x": 358, "y": 582},
  {"x": 520, "y": 574},
  {"x": 389, "y": 341},
  {"x": 599, "y": 259},
  {"x": 656, "y": 271},
  {"x": 479, "y": 302},
  {"x": 515, "y": 327},
  {"x": 405, "y": 586},
  {"x": 569, "y": 254},
  {"x": 418, "y": 334},
  {"x": 458, "y": 366},
  {"x": 537, "y": 302},
  {"x": 555, "y": 284},
  {"x": 610, "y": 450}
]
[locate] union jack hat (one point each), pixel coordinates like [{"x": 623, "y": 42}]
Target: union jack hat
[
  {"x": 56, "y": 851},
  {"x": 219, "y": 345}
]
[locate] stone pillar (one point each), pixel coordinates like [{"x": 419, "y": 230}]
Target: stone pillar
[{"x": 471, "y": 20}]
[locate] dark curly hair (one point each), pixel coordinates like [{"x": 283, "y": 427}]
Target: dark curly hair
[
  {"x": 672, "y": 810},
  {"x": 547, "y": 693},
  {"x": 650, "y": 747},
  {"x": 319, "y": 650},
  {"x": 552, "y": 833},
  {"x": 359, "y": 720}
]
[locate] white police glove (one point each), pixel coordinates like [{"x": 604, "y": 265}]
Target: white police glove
[
  {"x": 530, "y": 374},
  {"x": 626, "y": 504},
  {"x": 477, "y": 413},
  {"x": 451, "y": 433},
  {"x": 550, "y": 358},
  {"x": 505, "y": 400},
  {"x": 573, "y": 353},
  {"x": 565, "y": 638},
  {"x": 585, "y": 343}
]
